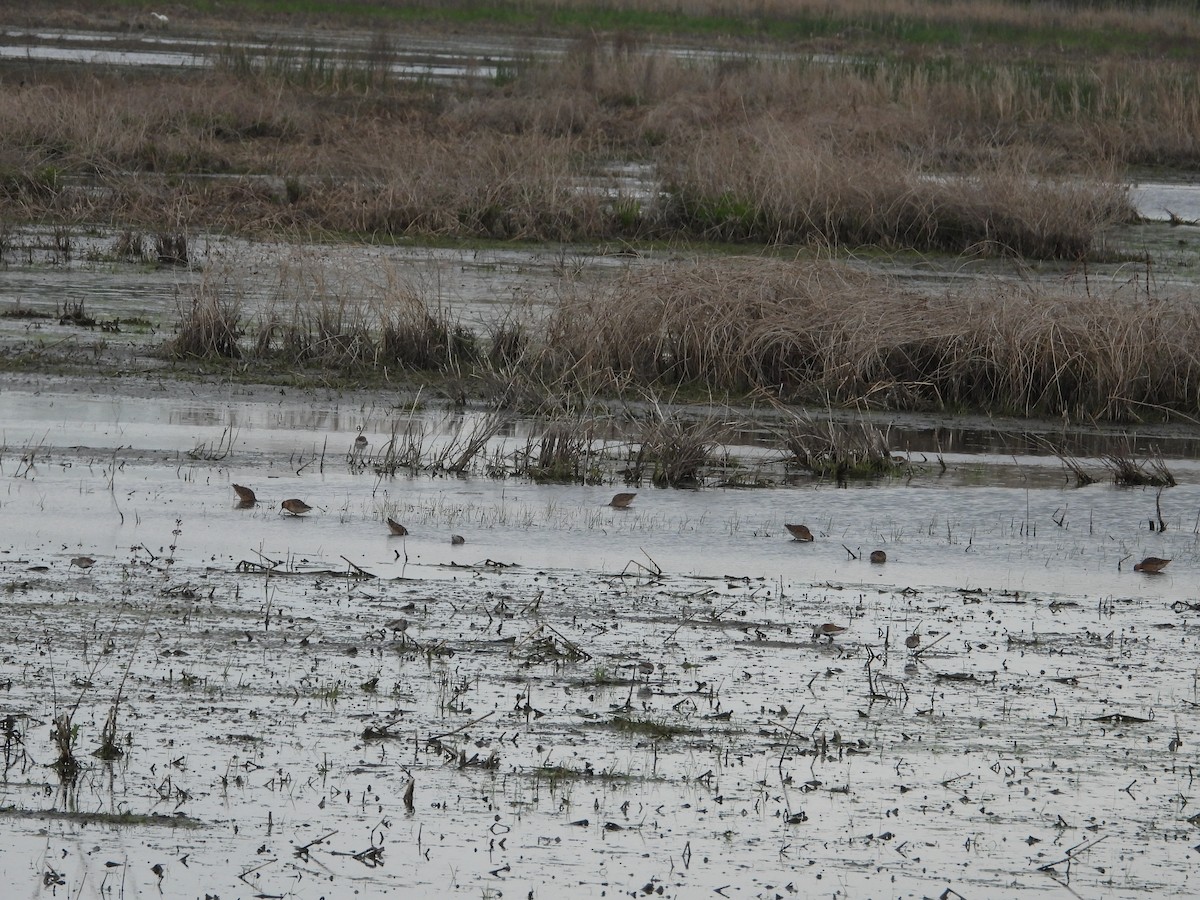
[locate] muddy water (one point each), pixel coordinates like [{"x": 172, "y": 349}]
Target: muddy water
[{"x": 745, "y": 755}]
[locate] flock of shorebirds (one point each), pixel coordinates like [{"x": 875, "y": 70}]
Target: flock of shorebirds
[
  {"x": 297, "y": 507},
  {"x": 802, "y": 533}
]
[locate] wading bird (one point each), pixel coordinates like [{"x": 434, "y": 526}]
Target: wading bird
[
  {"x": 396, "y": 528},
  {"x": 878, "y": 556},
  {"x": 457, "y": 539},
  {"x": 84, "y": 562},
  {"x": 1151, "y": 565},
  {"x": 800, "y": 533},
  {"x": 245, "y": 495},
  {"x": 295, "y": 507},
  {"x": 828, "y": 630},
  {"x": 621, "y": 501}
]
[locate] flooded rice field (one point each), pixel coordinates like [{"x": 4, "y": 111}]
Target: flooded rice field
[{"x": 671, "y": 699}]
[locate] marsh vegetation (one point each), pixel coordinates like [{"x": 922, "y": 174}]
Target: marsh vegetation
[{"x": 767, "y": 239}]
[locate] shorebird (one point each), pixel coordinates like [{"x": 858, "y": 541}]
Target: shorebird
[
  {"x": 360, "y": 442},
  {"x": 878, "y": 556},
  {"x": 622, "y": 500},
  {"x": 245, "y": 495},
  {"x": 828, "y": 630},
  {"x": 457, "y": 539},
  {"x": 295, "y": 507},
  {"x": 84, "y": 562},
  {"x": 913, "y": 641},
  {"x": 399, "y": 630},
  {"x": 396, "y": 528},
  {"x": 800, "y": 533},
  {"x": 1151, "y": 565}
]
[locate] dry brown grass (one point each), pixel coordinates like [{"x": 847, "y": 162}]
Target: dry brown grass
[
  {"x": 757, "y": 151},
  {"x": 209, "y": 322},
  {"x": 326, "y": 314},
  {"x": 827, "y": 333},
  {"x": 841, "y": 450},
  {"x": 773, "y": 183},
  {"x": 819, "y": 331}
]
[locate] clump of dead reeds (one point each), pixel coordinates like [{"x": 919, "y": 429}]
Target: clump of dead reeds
[
  {"x": 775, "y": 182},
  {"x": 828, "y": 333},
  {"x": 330, "y": 314},
  {"x": 564, "y": 451},
  {"x": 840, "y": 450},
  {"x": 130, "y": 245},
  {"x": 64, "y": 734},
  {"x": 208, "y": 326},
  {"x": 1128, "y": 471},
  {"x": 672, "y": 451},
  {"x": 171, "y": 248}
]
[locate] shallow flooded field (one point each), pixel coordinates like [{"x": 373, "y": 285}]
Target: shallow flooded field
[
  {"x": 275, "y": 640},
  {"x": 580, "y": 698}
]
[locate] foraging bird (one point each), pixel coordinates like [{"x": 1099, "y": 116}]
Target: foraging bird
[
  {"x": 913, "y": 641},
  {"x": 399, "y": 629},
  {"x": 621, "y": 501},
  {"x": 396, "y": 528},
  {"x": 360, "y": 442},
  {"x": 295, "y": 507},
  {"x": 828, "y": 630},
  {"x": 1151, "y": 565},
  {"x": 456, "y": 539},
  {"x": 799, "y": 532},
  {"x": 84, "y": 562},
  {"x": 878, "y": 556},
  {"x": 245, "y": 495}
]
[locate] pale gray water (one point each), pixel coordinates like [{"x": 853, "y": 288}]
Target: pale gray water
[{"x": 975, "y": 764}]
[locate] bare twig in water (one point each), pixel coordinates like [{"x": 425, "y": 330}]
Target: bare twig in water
[
  {"x": 931, "y": 644},
  {"x": 1072, "y": 853}
]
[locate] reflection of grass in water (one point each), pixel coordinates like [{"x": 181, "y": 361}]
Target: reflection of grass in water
[
  {"x": 100, "y": 818},
  {"x": 652, "y": 728}
]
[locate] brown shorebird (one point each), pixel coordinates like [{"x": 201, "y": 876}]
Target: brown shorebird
[
  {"x": 828, "y": 630},
  {"x": 878, "y": 556},
  {"x": 245, "y": 495},
  {"x": 913, "y": 641},
  {"x": 622, "y": 500},
  {"x": 295, "y": 507},
  {"x": 457, "y": 539},
  {"x": 800, "y": 533},
  {"x": 360, "y": 442},
  {"x": 1151, "y": 565},
  {"x": 396, "y": 528},
  {"x": 399, "y": 630},
  {"x": 84, "y": 562}
]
